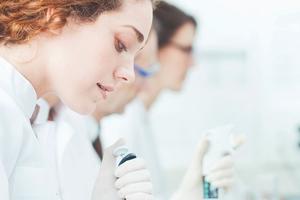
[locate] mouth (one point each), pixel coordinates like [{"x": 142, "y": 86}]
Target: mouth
[{"x": 104, "y": 90}]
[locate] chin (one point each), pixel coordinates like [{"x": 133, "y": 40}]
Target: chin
[
  {"x": 83, "y": 109},
  {"x": 176, "y": 88},
  {"x": 120, "y": 111}
]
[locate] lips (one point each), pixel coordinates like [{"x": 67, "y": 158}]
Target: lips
[{"x": 104, "y": 90}]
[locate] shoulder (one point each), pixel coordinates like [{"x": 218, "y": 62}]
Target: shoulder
[
  {"x": 11, "y": 115},
  {"x": 13, "y": 125}
]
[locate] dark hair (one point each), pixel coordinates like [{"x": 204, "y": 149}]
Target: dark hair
[
  {"x": 168, "y": 19},
  {"x": 21, "y": 20}
]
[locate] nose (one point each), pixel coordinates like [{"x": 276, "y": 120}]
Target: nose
[{"x": 125, "y": 73}]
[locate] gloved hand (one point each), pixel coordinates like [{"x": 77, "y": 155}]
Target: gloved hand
[
  {"x": 191, "y": 186},
  {"x": 133, "y": 181},
  {"x": 220, "y": 176},
  {"x": 222, "y": 173}
]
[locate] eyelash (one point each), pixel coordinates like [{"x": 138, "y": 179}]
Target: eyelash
[{"x": 120, "y": 46}]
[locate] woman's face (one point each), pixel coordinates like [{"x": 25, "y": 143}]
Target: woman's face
[
  {"x": 118, "y": 100},
  {"x": 176, "y": 57},
  {"x": 86, "y": 61},
  {"x": 124, "y": 94}
]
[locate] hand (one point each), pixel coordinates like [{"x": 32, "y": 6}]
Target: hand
[
  {"x": 191, "y": 186},
  {"x": 222, "y": 174},
  {"x": 134, "y": 180},
  {"x": 130, "y": 181},
  {"x": 105, "y": 184}
]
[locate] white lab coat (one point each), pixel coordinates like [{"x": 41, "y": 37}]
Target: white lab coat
[
  {"x": 76, "y": 162},
  {"x": 43, "y": 114},
  {"x": 134, "y": 127},
  {"x": 46, "y": 133},
  {"x": 24, "y": 173}
]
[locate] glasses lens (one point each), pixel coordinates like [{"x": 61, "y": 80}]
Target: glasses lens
[{"x": 143, "y": 72}]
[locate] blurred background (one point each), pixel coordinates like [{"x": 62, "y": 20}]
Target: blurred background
[{"x": 247, "y": 74}]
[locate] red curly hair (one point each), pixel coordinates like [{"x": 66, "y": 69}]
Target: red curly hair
[{"x": 21, "y": 20}]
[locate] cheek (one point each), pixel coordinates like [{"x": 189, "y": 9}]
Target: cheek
[
  {"x": 75, "y": 68},
  {"x": 173, "y": 60},
  {"x": 79, "y": 103},
  {"x": 174, "y": 69},
  {"x": 92, "y": 59},
  {"x": 180, "y": 64},
  {"x": 133, "y": 91},
  {"x": 181, "y": 59},
  {"x": 96, "y": 67}
]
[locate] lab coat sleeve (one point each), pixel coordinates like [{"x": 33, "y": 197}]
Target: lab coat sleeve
[
  {"x": 116, "y": 127},
  {"x": 127, "y": 126}
]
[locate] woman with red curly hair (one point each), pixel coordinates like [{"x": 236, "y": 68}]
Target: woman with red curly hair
[{"x": 79, "y": 50}]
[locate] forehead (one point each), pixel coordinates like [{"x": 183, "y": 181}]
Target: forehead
[
  {"x": 148, "y": 55},
  {"x": 185, "y": 34},
  {"x": 136, "y": 13}
]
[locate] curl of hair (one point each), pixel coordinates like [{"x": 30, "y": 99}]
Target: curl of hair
[{"x": 21, "y": 20}]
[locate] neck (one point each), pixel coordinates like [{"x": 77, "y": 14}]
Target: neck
[
  {"x": 152, "y": 92},
  {"x": 33, "y": 75},
  {"x": 25, "y": 61},
  {"x": 98, "y": 116}
]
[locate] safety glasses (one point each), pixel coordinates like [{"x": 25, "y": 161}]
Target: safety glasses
[
  {"x": 146, "y": 73},
  {"x": 184, "y": 49}
]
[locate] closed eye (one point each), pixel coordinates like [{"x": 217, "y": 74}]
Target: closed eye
[{"x": 120, "y": 46}]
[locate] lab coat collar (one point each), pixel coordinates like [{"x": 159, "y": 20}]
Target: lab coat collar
[
  {"x": 44, "y": 111},
  {"x": 93, "y": 128},
  {"x": 18, "y": 87}
]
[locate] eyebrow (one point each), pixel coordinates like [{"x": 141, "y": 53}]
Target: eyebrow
[{"x": 139, "y": 35}]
